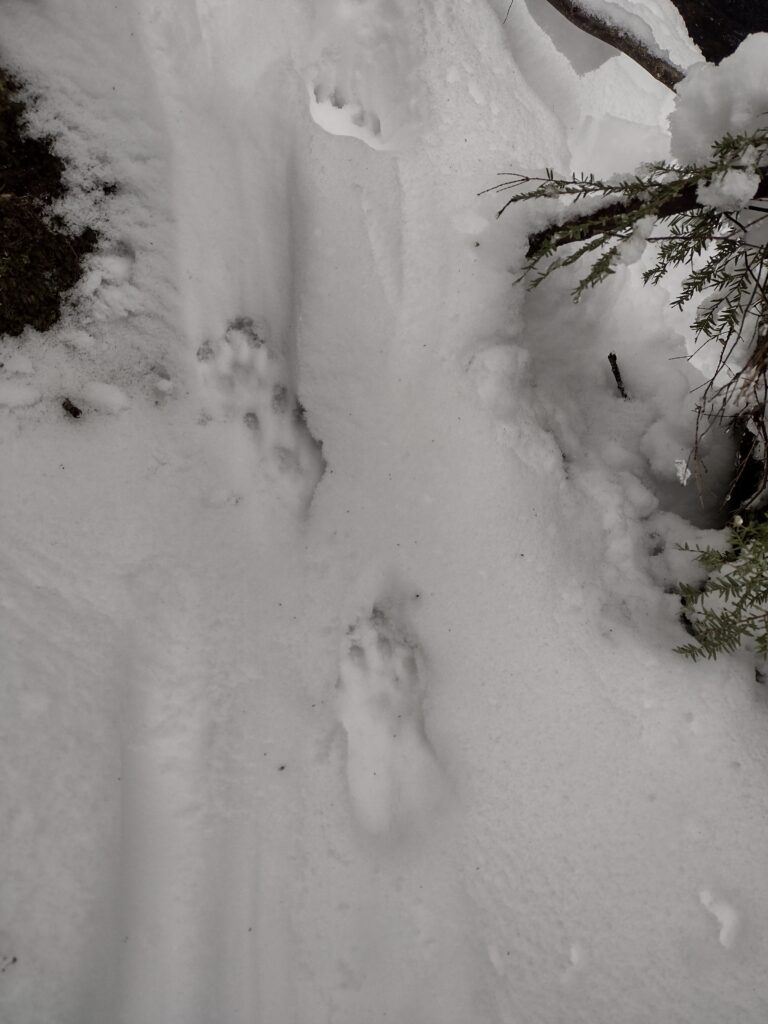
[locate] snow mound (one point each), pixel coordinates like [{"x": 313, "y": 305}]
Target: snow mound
[
  {"x": 730, "y": 191},
  {"x": 105, "y": 397},
  {"x": 14, "y": 395},
  {"x": 714, "y": 99}
]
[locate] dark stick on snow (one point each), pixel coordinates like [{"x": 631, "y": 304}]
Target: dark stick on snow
[
  {"x": 71, "y": 408},
  {"x": 617, "y": 374}
]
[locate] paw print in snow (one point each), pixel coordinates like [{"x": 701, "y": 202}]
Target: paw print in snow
[
  {"x": 392, "y": 772},
  {"x": 341, "y": 116},
  {"x": 108, "y": 283},
  {"x": 6, "y": 962},
  {"x": 243, "y": 379},
  {"x": 363, "y": 79}
]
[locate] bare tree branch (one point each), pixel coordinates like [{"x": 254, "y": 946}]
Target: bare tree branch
[{"x": 664, "y": 71}]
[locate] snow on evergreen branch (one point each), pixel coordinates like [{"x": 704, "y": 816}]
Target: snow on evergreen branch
[{"x": 730, "y": 609}]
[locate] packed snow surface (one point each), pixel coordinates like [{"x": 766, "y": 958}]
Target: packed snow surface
[{"x": 338, "y": 627}]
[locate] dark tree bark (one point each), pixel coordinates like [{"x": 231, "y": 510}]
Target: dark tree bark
[
  {"x": 718, "y": 26},
  {"x": 664, "y": 71}
]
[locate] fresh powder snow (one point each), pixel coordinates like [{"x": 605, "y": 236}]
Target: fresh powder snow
[{"x": 338, "y": 627}]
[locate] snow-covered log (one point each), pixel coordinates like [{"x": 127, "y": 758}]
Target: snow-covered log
[
  {"x": 610, "y": 24},
  {"x": 715, "y": 27}
]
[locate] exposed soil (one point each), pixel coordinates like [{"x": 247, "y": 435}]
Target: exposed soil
[{"x": 40, "y": 259}]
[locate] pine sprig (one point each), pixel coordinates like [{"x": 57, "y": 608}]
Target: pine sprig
[
  {"x": 730, "y": 609},
  {"x": 723, "y": 253},
  {"x": 617, "y": 207}
]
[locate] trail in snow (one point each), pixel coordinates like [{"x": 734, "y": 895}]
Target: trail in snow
[
  {"x": 283, "y": 806},
  {"x": 238, "y": 387}
]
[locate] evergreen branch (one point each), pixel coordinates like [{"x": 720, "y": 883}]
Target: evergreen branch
[
  {"x": 738, "y": 581},
  {"x": 724, "y": 255},
  {"x": 576, "y": 228}
]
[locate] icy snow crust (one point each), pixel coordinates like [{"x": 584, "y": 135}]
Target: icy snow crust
[{"x": 338, "y": 684}]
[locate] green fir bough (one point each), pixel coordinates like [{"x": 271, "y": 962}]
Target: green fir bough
[
  {"x": 724, "y": 250},
  {"x": 730, "y": 609},
  {"x": 711, "y": 220}
]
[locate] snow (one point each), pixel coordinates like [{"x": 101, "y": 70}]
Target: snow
[
  {"x": 14, "y": 394},
  {"x": 18, "y": 364},
  {"x": 714, "y": 99},
  {"x": 105, "y": 397},
  {"x": 338, "y": 666},
  {"x": 613, "y": 118},
  {"x": 730, "y": 191},
  {"x": 631, "y": 250}
]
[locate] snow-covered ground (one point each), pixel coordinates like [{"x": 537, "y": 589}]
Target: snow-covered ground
[{"x": 338, "y": 683}]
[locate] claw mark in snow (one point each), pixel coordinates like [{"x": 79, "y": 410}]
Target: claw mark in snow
[
  {"x": 392, "y": 772},
  {"x": 242, "y": 379},
  {"x": 362, "y": 81}
]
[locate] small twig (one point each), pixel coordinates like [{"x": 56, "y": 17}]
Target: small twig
[
  {"x": 617, "y": 374},
  {"x": 72, "y": 409}
]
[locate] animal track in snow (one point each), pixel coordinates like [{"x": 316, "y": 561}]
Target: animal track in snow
[
  {"x": 392, "y": 772},
  {"x": 243, "y": 379},
  {"x": 363, "y": 78},
  {"x": 108, "y": 283}
]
